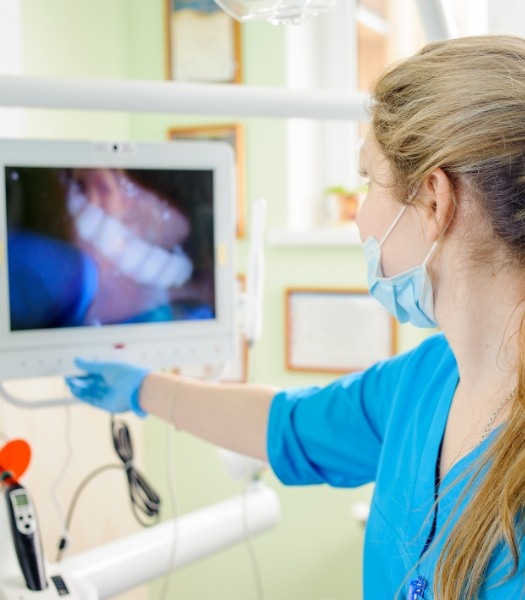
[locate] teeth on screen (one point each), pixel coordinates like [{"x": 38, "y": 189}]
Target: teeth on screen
[
  {"x": 135, "y": 253},
  {"x": 111, "y": 238},
  {"x": 89, "y": 221},
  {"x": 178, "y": 271},
  {"x": 141, "y": 262},
  {"x": 76, "y": 201},
  {"x": 150, "y": 269}
]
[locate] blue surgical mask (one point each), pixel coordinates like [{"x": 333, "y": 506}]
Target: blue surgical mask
[{"x": 408, "y": 296}]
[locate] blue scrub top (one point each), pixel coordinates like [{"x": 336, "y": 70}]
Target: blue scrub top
[{"x": 385, "y": 425}]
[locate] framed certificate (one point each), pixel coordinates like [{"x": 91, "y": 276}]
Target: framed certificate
[
  {"x": 336, "y": 330},
  {"x": 203, "y": 43}
]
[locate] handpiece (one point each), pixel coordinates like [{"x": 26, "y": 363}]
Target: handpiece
[{"x": 26, "y": 536}]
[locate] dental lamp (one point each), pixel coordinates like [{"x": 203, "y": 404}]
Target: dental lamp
[
  {"x": 438, "y": 22},
  {"x": 277, "y": 12}
]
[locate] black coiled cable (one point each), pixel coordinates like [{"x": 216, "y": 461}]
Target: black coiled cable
[{"x": 143, "y": 497}]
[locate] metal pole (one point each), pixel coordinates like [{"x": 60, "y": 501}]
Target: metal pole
[
  {"x": 181, "y": 98},
  {"x": 137, "y": 558}
]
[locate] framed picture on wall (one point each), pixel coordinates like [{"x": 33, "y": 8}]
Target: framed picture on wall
[
  {"x": 336, "y": 330},
  {"x": 234, "y": 135},
  {"x": 203, "y": 43}
]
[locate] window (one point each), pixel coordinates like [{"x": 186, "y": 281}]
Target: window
[{"x": 344, "y": 51}]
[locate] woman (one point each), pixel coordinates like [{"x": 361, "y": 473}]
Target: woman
[{"x": 441, "y": 429}]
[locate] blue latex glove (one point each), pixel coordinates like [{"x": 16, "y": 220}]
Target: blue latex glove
[{"x": 111, "y": 386}]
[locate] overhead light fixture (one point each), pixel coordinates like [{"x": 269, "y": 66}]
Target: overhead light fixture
[{"x": 278, "y": 12}]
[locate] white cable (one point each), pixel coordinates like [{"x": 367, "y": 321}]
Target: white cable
[
  {"x": 248, "y": 538},
  {"x": 255, "y": 274},
  {"x": 248, "y": 480},
  {"x": 61, "y": 475},
  {"x": 174, "y": 502},
  {"x": 49, "y": 403}
]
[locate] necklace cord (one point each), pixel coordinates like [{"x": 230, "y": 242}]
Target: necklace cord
[{"x": 496, "y": 412}]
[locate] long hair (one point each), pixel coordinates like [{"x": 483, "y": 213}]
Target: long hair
[{"x": 459, "y": 105}]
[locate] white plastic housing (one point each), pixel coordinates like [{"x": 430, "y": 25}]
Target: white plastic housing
[{"x": 137, "y": 558}]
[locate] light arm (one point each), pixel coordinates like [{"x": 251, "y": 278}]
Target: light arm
[{"x": 135, "y": 559}]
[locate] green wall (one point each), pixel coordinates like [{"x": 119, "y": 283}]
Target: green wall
[
  {"x": 315, "y": 552},
  {"x": 75, "y": 39}
]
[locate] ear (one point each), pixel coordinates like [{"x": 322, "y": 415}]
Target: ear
[{"x": 435, "y": 198}]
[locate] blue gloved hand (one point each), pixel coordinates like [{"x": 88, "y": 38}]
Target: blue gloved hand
[{"x": 111, "y": 386}]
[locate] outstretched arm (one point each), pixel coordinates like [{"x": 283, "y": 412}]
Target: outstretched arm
[{"x": 233, "y": 416}]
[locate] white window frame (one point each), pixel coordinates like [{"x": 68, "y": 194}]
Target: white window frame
[{"x": 323, "y": 54}]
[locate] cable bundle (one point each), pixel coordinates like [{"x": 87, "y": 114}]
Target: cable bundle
[{"x": 143, "y": 496}]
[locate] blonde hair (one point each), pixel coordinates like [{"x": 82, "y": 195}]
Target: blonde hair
[{"x": 459, "y": 105}]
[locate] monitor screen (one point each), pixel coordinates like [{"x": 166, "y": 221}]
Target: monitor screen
[{"x": 115, "y": 251}]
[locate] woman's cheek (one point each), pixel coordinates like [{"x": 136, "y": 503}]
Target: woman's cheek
[{"x": 362, "y": 220}]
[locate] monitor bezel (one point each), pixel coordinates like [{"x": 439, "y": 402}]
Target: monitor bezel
[{"x": 43, "y": 352}]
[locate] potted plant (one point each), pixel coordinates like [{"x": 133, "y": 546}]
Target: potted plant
[{"x": 342, "y": 204}]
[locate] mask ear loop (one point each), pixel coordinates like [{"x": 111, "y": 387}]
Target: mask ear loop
[
  {"x": 411, "y": 196},
  {"x": 389, "y": 230},
  {"x": 429, "y": 255}
]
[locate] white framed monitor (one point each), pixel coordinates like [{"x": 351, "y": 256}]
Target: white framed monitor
[{"x": 115, "y": 251}]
